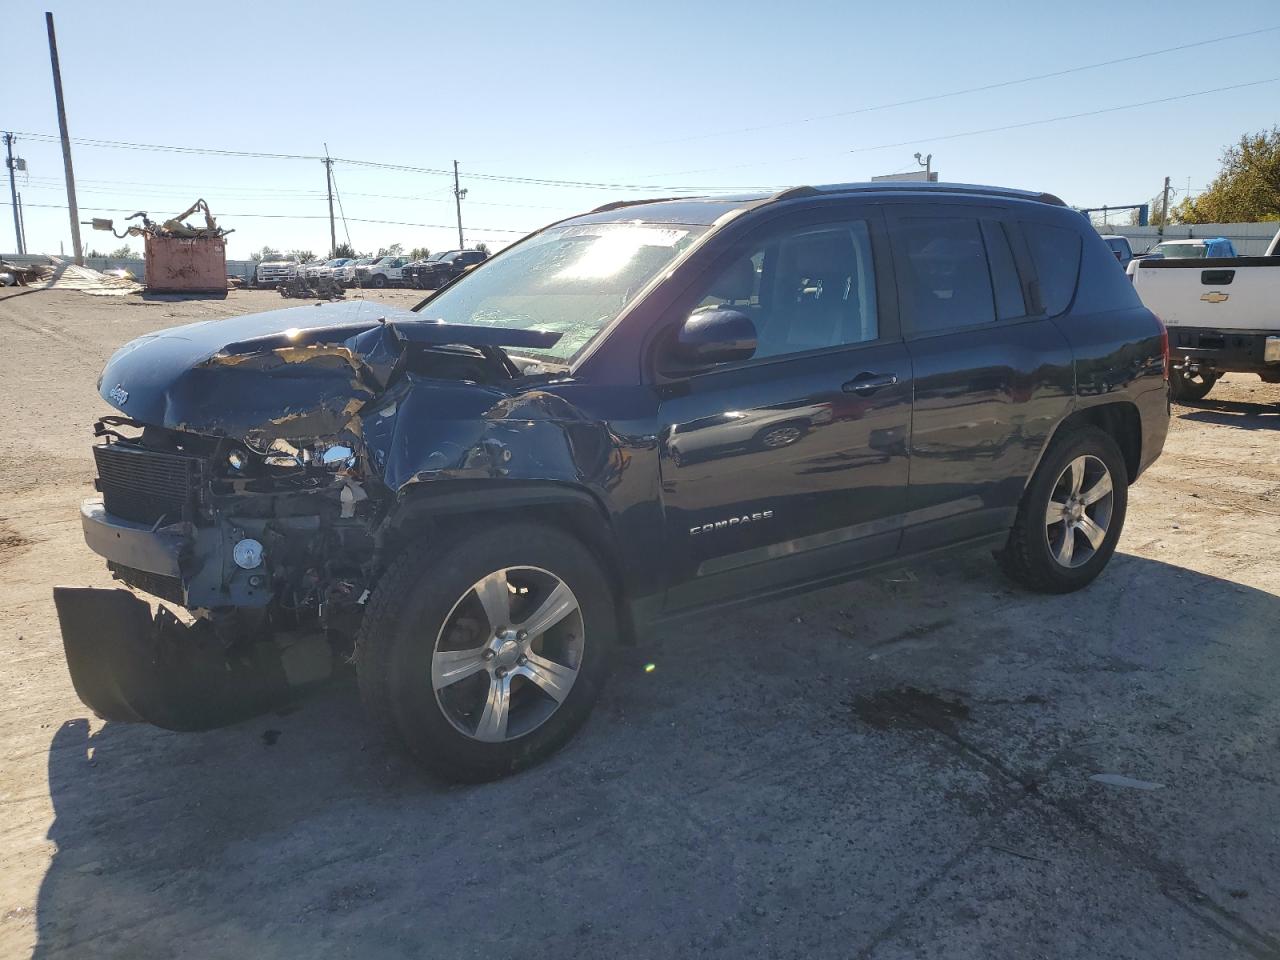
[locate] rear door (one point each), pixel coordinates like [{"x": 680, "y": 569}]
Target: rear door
[
  {"x": 791, "y": 466},
  {"x": 993, "y": 375}
]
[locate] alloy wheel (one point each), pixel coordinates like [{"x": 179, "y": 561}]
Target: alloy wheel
[
  {"x": 780, "y": 437},
  {"x": 1079, "y": 511},
  {"x": 508, "y": 654}
]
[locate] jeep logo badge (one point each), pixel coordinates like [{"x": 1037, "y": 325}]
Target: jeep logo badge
[
  {"x": 1215, "y": 296},
  {"x": 118, "y": 395}
]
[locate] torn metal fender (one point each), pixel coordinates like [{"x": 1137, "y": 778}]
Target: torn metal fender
[{"x": 129, "y": 664}]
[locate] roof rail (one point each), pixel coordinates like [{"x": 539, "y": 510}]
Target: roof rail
[
  {"x": 791, "y": 193},
  {"x": 912, "y": 186},
  {"x": 618, "y": 204}
]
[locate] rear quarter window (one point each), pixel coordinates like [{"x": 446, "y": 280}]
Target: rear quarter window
[{"x": 1056, "y": 254}]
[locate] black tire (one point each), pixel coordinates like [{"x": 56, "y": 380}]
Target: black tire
[
  {"x": 377, "y": 281},
  {"x": 415, "y": 598},
  {"x": 1028, "y": 556},
  {"x": 1190, "y": 388}
]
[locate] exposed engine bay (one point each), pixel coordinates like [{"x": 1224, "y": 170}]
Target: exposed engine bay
[{"x": 245, "y": 483}]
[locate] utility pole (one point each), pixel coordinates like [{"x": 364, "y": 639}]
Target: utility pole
[
  {"x": 457, "y": 199},
  {"x": 1164, "y": 207},
  {"x": 22, "y": 228},
  {"x": 13, "y": 194},
  {"x": 328, "y": 180},
  {"x": 74, "y": 208}
]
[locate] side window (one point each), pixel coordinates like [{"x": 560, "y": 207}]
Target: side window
[
  {"x": 1004, "y": 274},
  {"x": 1056, "y": 254},
  {"x": 946, "y": 277},
  {"x": 804, "y": 288}
]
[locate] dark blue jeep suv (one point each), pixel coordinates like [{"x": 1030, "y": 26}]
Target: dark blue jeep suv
[{"x": 656, "y": 409}]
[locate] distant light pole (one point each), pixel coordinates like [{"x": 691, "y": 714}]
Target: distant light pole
[{"x": 926, "y": 163}]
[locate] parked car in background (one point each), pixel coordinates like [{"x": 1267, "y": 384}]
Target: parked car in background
[
  {"x": 436, "y": 271},
  {"x": 493, "y": 491},
  {"x": 326, "y": 268},
  {"x": 382, "y": 272},
  {"x": 271, "y": 272},
  {"x": 410, "y": 272},
  {"x": 1221, "y": 312},
  {"x": 1196, "y": 248},
  {"x": 1120, "y": 247},
  {"x": 346, "y": 274}
]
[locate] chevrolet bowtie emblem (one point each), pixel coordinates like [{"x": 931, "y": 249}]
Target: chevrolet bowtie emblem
[{"x": 1214, "y": 296}]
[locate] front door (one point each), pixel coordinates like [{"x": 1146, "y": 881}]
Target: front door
[{"x": 791, "y": 466}]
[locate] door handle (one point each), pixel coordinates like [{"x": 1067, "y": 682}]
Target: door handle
[{"x": 865, "y": 384}]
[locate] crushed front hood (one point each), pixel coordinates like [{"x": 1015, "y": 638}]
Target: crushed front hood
[{"x": 294, "y": 373}]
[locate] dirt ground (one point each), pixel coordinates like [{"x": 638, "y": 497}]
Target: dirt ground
[{"x": 900, "y": 767}]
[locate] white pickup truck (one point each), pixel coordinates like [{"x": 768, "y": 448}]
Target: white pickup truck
[
  {"x": 1223, "y": 315},
  {"x": 271, "y": 272},
  {"x": 381, "y": 272}
]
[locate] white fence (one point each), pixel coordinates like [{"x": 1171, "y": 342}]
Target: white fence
[{"x": 1250, "y": 239}]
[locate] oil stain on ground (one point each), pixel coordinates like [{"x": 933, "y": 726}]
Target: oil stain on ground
[{"x": 909, "y": 708}]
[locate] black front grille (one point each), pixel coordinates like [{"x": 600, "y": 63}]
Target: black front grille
[
  {"x": 146, "y": 485},
  {"x": 156, "y": 584}
]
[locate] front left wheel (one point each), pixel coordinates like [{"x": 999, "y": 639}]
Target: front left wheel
[{"x": 486, "y": 656}]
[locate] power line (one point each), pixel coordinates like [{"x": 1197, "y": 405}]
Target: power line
[
  {"x": 967, "y": 90},
  {"x": 295, "y": 216},
  {"x": 974, "y": 133},
  {"x": 430, "y": 171}
]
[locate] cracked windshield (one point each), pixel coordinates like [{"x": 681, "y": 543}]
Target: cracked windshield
[{"x": 572, "y": 280}]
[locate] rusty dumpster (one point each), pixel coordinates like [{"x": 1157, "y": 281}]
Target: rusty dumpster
[{"x": 186, "y": 264}]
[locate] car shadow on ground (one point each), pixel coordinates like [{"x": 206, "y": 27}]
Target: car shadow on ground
[
  {"x": 729, "y": 802},
  {"x": 1231, "y": 413}
]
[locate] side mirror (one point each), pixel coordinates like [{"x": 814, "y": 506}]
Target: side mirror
[{"x": 715, "y": 336}]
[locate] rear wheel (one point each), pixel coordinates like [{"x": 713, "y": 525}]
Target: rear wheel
[
  {"x": 1071, "y": 514},
  {"x": 1190, "y": 386},
  {"x": 378, "y": 281},
  {"x": 486, "y": 656}
]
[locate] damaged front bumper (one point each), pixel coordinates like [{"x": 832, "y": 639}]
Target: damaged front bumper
[{"x": 130, "y": 664}]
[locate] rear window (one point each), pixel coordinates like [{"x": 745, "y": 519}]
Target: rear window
[
  {"x": 947, "y": 278},
  {"x": 1056, "y": 254},
  {"x": 1182, "y": 251}
]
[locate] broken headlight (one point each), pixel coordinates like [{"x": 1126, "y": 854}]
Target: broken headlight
[{"x": 329, "y": 456}]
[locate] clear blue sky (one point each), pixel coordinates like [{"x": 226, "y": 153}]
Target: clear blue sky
[{"x": 655, "y": 93}]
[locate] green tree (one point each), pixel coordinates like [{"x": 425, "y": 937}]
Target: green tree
[
  {"x": 419, "y": 253},
  {"x": 483, "y": 248},
  {"x": 266, "y": 253},
  {"x": 122, "y": 252},
  {"x": 302, "y": 256},
  {"x": 394, "y": 250},
  {"x": 1247, "y": 187},
  {"x": 345, "y": 250}
]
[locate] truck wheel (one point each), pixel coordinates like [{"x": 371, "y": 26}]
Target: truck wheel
[
  {"x": 1195, "y": 386},
  {"x": 1071, "y": 514},
  {"x": 486, "y": 656},
  {"x": 378, "y": 281}
]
